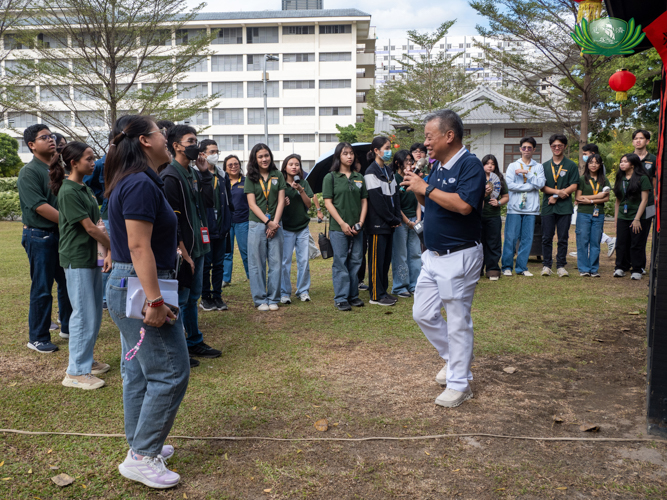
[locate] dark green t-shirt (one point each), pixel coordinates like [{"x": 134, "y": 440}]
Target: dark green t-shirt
[
  {"x": 275, "y": 183},
  {"x": 76, "y": 247},
  {"x": 587, "y": 190},
  {"x": 196, "y": 208},
  {"x": 346, "y": 194},
  {"x": 649, "y": 163},
  {"x": 633, "y": 202},
  {"x": 33, "y": 184},
  {"x": 490, "y": 210},
  {"x": 295, "y": 215},
  {"x": 567, "y": 173},
  {"x": 408, "y": 199}
]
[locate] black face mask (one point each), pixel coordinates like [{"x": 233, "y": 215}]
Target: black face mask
[{"x": 192, "y": 152}]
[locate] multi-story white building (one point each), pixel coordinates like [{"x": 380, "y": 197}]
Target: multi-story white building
[{"x": 326, "y": 64}]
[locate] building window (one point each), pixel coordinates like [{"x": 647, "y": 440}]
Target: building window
[
  {"x": 298, "y": 30},
  {"x": 335, "y": 84},
  {"x": 256, "y": 63},
  {"x": 442, "y": 45},
  {"x": 89, "y": 119},
  {"x": 335, "y": 56},
  {"x": 21, "y": 120},
  {"x": 50, "y": 42},
  {"x": 335, "y": 29},
  {"x": 84, "y": 93},
  {"x": 299, "y": 84},
  {"x": 299, "y": 138},
  {"x": 54, "y": 93},
  {"x": 274, "y": 141},
  {"x": 227, "y": 63},
  {"x": 513, "y": 153},
  {"x": 199, "y": 118},
  {"x": 262, "y": 35},
  {"x": 256, "y": 116},
  {"x": 23, "y": 147},
  {"x": 228, "y": 36},
  {"x": 12, "y": 43},
  {"x": 467, "y": 45},
  {"x": 183, "y": 36},
  {"x": 298, "y": 111},
  {"x": 192, "y": 90},
  {"x": 228, "y": 90},
  {"x": 200, "y": 66},
  {"x": 227, "y": 117},
  {"x": 298, "y": 57},
  {"x": 58, "y": 119},
  {"x": 328, "y": 138},
  {"x": 518, "y": 133},
  {"x": 336, "y": 111},
  {"x": 449, "y": 45},
  {"x": 229, "y": 142},
  {"x": 256, "y": 89}
]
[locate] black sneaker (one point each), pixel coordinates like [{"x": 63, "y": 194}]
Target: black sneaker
[
  {"x": 220, "y": 304},
  {"x": 405, "y": 295},
  {"x": 207, "y": 304},
  {"x": 363, "y": 286},
  {"x": 343, "y": 306},
  {"x": 357, "y": 302},
  {"x": 202, "y": 350},
  {"x": 43, "y": 347},
  {"x": 391, "y": 297},
  {"x": 104, "y": 306},
  {"x": 194, "y": 363},
  {"x": 384, "y": 301}
]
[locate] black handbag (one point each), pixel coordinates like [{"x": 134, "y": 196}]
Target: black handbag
[{"x": 326, "y": 249}]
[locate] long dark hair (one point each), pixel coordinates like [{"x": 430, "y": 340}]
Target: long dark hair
[
  {"x": 253, "y": 167},
  {"x": 284, "y": 165},
  {"x": 335, "y": 164},
  {"x": 496, "y": 169},
  {"x": 126, "y": 157},
  {"x": 587, "y": 172},
  {"x": 61, "y": 163},
  {"x": 377, "y": 143},
  {"x": 635, "y": 185},
  {"x": 399, "y": 159}
]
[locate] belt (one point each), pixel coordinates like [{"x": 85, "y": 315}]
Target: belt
[
  {"x": 53, "y": 230},
  {"x": 463, "y": 246}
]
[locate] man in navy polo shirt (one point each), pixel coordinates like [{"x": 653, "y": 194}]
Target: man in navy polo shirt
[{"x": 453, "y": 197}]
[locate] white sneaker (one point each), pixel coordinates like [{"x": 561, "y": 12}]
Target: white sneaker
[
  {"x": 451, "y": 398},
  {"x": 99, "y": 368},
  {"x": 86, "y": 382},
  {"x": 494, "y": 278},
  {"x": 525, "y": 273},
  {"x": 64, "y": 335},
  {"x": 263, "y": 307},
  {"x": 507, "y": 272},
  {"x": 546, "y": 271},
  {"x": 643, "y": 272},
  {"x": 150, "y": 471},
  {"x": 572, "y": 254},
  {"x": 285, "y": 300},
  {"x": 619, "y": 273},
  {"x": 585, "y": 274},
  {"x": 611, "y": 246},
  {"x": 304, "y": 297},
  {"x": 636, "y": 276},
  {"x": 562, "y": 272},
  {"x": 273, "y": 307},
  {"x": 441, "y": 377}
]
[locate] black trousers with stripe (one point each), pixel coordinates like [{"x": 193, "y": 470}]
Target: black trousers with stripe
[{"x": 379, "y": 260}]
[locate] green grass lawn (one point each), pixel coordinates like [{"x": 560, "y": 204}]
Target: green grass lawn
[{"x": 275, "y": 378}]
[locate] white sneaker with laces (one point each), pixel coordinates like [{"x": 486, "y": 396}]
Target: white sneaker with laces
[
  {"x": 562, "y": 272},
  {"x": 584, "y": 274},
  {"x": 507, "y": 272},
  {"x": 611, "y": 247},
  {"x": 285, "y": 300},
  {"x": 150, "y": 471},
  {"x": 263, "y": 307},
  {"x": 99, "y": 368},
  {"x": 304, "y": 297},
  {"x": 619, "y": 273},
  {"x": 273, "y": 307},
  {"x": 546, "y": 271},
  {"x": 451, "y": 398},
  {"x": 636, "y": 276},
  {"x": 441, "y": 377},
  {"x": 525, "y": 273},
  {"x": 494, "y": 278}
]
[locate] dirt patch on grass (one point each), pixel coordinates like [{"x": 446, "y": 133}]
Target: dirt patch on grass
[{"x": 31, "y": 368}]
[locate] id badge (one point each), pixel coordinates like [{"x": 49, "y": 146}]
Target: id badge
[
  {"x": 596, "y": 212},
  {"x": 268, "y": 216},
  {"x": 204, "y": 236},
  {"x": 625, "y": 209}
]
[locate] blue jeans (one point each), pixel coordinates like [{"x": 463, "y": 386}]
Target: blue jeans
[
  {"x": 42, "y": 249},
  {"x": 589, "y": 232},
  {"x": 187, "y": 303},
  {"x": 517, "y": 227},
  {"x": 240, "y": 231},
  {"x": 298, "y": 241},
  {"x": 406, "y": 258},
  {"x": 105, "y": 276},
  {"x": 154, "y": 382},
  {"x": 214, "y": 262},
  {"x": 347, "y": 257},
  {"x": 263, "y": 250},
  {"x": 84, "y": 286}
]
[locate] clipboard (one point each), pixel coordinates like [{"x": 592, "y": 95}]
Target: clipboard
[{"x": 136, "y": 297}]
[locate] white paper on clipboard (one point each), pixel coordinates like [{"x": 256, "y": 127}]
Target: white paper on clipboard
[{"x": 136, "y": 296}]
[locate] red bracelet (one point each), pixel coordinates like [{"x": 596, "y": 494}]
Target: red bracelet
[{"x": 159, "y": 303}]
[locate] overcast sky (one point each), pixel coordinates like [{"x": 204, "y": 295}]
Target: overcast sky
[{"x": 391, "y": 20}]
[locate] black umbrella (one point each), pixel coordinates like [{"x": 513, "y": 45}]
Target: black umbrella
[{"x": 323, "y": 165}]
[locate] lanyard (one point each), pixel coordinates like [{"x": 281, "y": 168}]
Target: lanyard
[
  {"x": 624, "y": 184},
  {"x": 528, "y": 167},
  {"x": 553, "y": 172},
  {"x": 266, "y": 190},
  {"x": 596, "y": 187}
]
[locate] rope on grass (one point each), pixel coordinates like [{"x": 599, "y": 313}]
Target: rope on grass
[{"x": 374, "y": 438}]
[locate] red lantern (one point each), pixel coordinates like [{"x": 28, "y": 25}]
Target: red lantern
[{"x": 621, "y": 82}]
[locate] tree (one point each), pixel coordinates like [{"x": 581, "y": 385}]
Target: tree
[
  {"x": 430, "y": 81},
  {"x": 552, "y": 73},
  {"x": 10, "y": 163},
  {"x": 362, "y": 131},
  {"x": 91, "y": 56}
]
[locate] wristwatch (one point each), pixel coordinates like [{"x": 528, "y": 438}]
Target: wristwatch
[{"x": 428, "y": 192}]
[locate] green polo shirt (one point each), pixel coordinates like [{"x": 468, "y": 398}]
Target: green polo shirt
[
  {"x": 295, "y": 215},
  {"x": 346, "y": 194},
  {"x": 633, "y": 202},
  {"x": 649, "y": 163},
  {"x": 490, "y": 210},
  {"x": 76, "y": 247},
  {"x": 194, "y": 200},
  {"x": 275, "y": 183},
  {"x": 587, "y": 190},
  {"x": 33, "y": 184},
  {"x": 408, "y": 199},
  {"x": 569, "y": 174}
]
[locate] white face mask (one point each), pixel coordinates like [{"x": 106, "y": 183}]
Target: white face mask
[{"x": 213, "y": 159}]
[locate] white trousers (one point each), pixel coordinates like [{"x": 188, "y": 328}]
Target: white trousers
[{"x": 449, "y": 281}]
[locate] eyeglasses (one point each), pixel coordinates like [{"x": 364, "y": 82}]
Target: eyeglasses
[
  {"x": 163, "y": 131},
  {"x": 191, "y": 142},
  {"x": 557, "y": 146},
  {"x": 527, "y": 148},
  {"x": 46, "y": 138}
]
